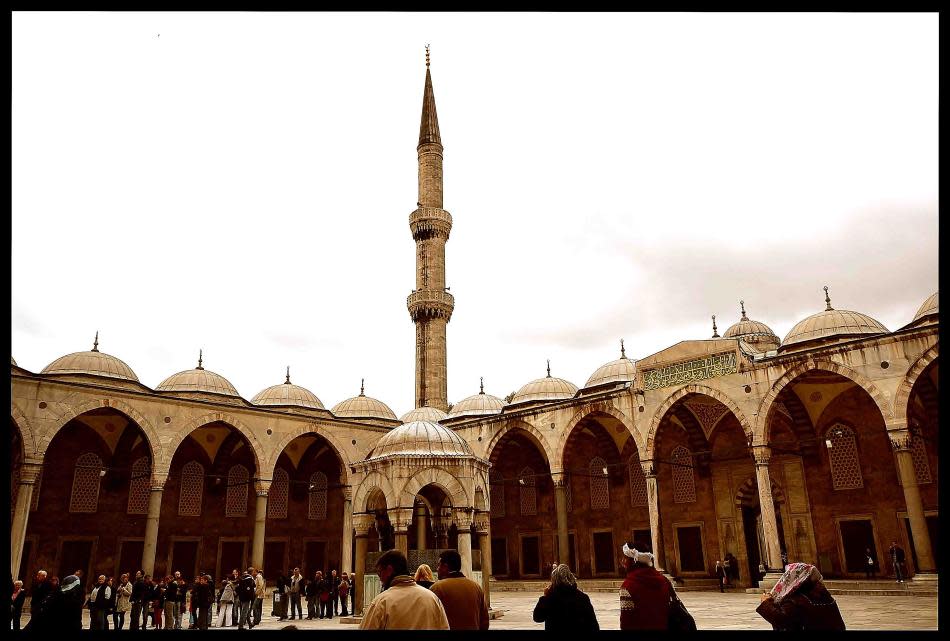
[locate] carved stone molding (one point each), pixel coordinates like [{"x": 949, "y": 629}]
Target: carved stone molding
[
  {"x": 901, "y": 440},
  {"x": 762, "y": 454}
]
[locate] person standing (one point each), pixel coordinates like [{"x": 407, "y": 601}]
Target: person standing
[
  {"x": 16, "y": 604},
  {"x": 323, "y": 594},
  {"x": 295, "y": 579},
  {"x": 424, "y": 576},
  {"x": 462, "y": 598},
  {"x": 869, "y": 569},
  {"x": 260, "y": 587},
  {"x": 225, "y": 603},
  {"x": 245, "y": 592},
  {"x": 563, "y": 607},
  {"x": 313, "y": 595},
  {"x": 123, "y": 592},
  {"x": 147, "y": 610},
  {"x": 402, "y": 605},
  {"x": 281, "y": 596},
  {"x": 99, "y": 604},
  {"x": 158, "y": 603},
  {"x": 39, "y": 591},
  {"x": 170, "y": 602},
  {"x": 335, "y": 592},
  {"x": 645, "y": 594},
  {"x": 344, "y": 593},
  {"x": 896, "y": 553},
  {"x": 65, "y": 605},
  {"x": 138, "y": 589},
  {"x": 181, "y": 597},
  {"x": 721, "y": 575},
  {"x": 800, "y": 602}
]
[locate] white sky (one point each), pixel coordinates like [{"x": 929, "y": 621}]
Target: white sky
[{"x": 242, "y": 183}]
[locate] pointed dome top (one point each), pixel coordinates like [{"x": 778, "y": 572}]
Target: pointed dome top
[
  {"x": 831, "y": 324},
  {"x": 424, "y": 413},
  {"x": 429, "y": 129},
  {"x": 621, "y": 370},
  {"x": 480, "y": 404},
  {"x": 198, "y": 379},
  {"x": 93, "y": 363},
  {"x": 287, "y": 393}
]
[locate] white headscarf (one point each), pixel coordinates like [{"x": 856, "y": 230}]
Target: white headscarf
[{"x": 638, "y": 557}]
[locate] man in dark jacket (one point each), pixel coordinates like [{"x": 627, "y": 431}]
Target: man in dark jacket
[
  {"x": 245, "y": 592},
  {"x": 335, "y": 591},
  {"x": 312, "y": 594},
  {"x": 897, "y": 560},
  {"x": 645, "y": 593},
  {"x": 138, "y": 594},
  {"x": 202, "y": 596},
  {"x": 38, "y": 595}
]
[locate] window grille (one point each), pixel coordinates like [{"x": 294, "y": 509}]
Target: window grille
[
  {"x": 497, "y": 489},
  {"x": 277, "y": 497},
  {"x": 638, "y": 483},
  {"x": 236, "y": 504},
  {"x": 843, "y": 457},
  {"x": 317, "y": 505},
  {"x": 569, "y": 492},
  {"x": 85, "y": 494},
  {"x": 529, "y": 496},
  {"x": 599, "y": 485},
  {"x": 138, "y": 486},
  {"x": 684, "y": 484},
  {"x": 921, "y": 464},
  {"x": 192, "y": 489}
]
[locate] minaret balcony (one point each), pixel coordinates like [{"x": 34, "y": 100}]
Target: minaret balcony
[
  {"x": 430, "y": 221},
  {"x": 430, "y": 303}
]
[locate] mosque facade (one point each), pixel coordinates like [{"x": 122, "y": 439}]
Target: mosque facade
[{"x": 819, "y": 447}]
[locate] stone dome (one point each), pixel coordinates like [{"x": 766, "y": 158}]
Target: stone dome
[
  {"x": 480, "y": 404},
  {"x": 621, "y": 370},
  {"x": 288, "y": 394},
  {"x": 363, "y": 406},
  {"x": 832, "y": 323},
  {"x": 757, "y": 335},
  {"x": 198, "y": 379},
  {"x": 548, "y": 388},
  {"x": 929, "y": 308},
  {"x": 420, "y": 438},
  {"x": 424, "y": 413},
  {"x": 92, "y": 363}
]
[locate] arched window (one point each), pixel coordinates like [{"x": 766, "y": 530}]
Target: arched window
[
  {"x": 497, "y": 489},
  {"x": 236, "y": 504},
  {"x": 277, "y": 497},
  {"x": 317, "y": 505},
  {"x": 638, "y": 483},
  {"x": 921, "y": 464},
  {"x": 138, "y": 486},
  {"x": 192, "y": 489},
  {"x": 569, "y": 491},
  {"x": 843, "y": 458},
  {"x": 684, "y": 485},
  {"x": 529, "y": 496},
  {"x": 85, "y": 495},
  {"x": 599, "y": 486}
]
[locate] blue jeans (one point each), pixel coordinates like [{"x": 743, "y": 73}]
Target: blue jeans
[
  {"x": 245, "y": 611},
  {"x": 118, "y": 620}
]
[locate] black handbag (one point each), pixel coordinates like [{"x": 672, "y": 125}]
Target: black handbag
[{"x": 679, "y": 619}]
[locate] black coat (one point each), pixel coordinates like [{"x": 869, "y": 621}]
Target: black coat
[
  {"x": 566, "y": 609},
  {"x": 811, "y": 608}
]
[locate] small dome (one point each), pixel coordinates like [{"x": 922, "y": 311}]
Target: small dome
[
  {"x": 93, "y": 363},
  {"x": 929, "y": 308},
  {"x": 420, "y": 438},
  {"x": 480, "y": 404},
  {"x": 424, "y": 413},
  {"x": 757, "y": 335},
  {"x": 832, "y": 323},
  {"x": 621, "y": 370},
  {"x": 288, "y": 394},
  {"x": 363, "y": 406},
  {"x": 198, "y": 380},
  {"x": 545, "y": 389}
]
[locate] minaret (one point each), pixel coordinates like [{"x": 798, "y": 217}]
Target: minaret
[{"x": 430, "y": 303}]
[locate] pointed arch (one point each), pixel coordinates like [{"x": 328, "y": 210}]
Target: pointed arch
[
  {"x": 72, "y": 411},
  {"x": 372, "y": 481},
  {"x": 902, "y": 397},
  {"x": 748, "y": 493},
  {"x": 589, "y": 410},
  {"x": 318, "y": 430},
  {"x": 682, "y": 393},
  {"x": 27, "y": 436},
  {"x": 171, "y": 446},
  {"x": 453, "y": 489},
  {"x": 534, "y": 434}
]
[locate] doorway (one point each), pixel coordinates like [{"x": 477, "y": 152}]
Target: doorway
[
  {"x": 230, "y": 556},
  {"x": 856, "y": 536},
  {"x": 184, "y": 558},
  {"x": 76, "y": 555},
  {"x": 130, "y": 556},
  {"x": 314, "y": 558},
  {"x": 604, "y": 554},
  {"x": 275, "y": 553},
  {"x": 530, "y": 555}
]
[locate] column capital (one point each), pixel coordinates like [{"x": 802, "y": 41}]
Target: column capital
[
  {"x": 649, "y": 467},
  {"x": 463, "y": 520},
  {"x": 560, "y": 482},
  {"x": 362, "y": 523},
  {"x": 30, "y": 472},
  {"x": 400, "y": 518},
  {"x": 157, "y": 481},
  {"x": 262, "y": 486},
  {"x": 762, "y": 454},
  {"x": 482, "y": 522},
  {"x": 902, "y": 440},
  {"x": 347, "y": 492}
]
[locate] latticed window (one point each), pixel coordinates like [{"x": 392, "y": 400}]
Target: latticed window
[
  {"x": 192, "y": 489},
  {"x": 138, "y": 486},
  {"x": 684, "y": 485},
  {"x": 599, "y": 486},
  {"x": 497, "y": 489},
  {"x": 317, "y": 505},
  {"x": 529, "y": 495},
  {"x": 638, "y": 483},
  {"x": 85, "y": 494},
  {"x": 569, "y": 492},
  {"x": 35, "y": 501},
  {"x": 277, "y": 497},
  {"x": 921, "y": 464},
  {"x": 236, "y": 504},
  {"x": 843, "y": 457}
]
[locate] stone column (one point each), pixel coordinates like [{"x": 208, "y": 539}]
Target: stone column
[
  {"x": 463, "y": 521},
  {"x": 346, "y": 547},
  {"x": 560, "y": 506},
  {"x": 773, "y": 547},
  {"x": 29, "y": 473},
  {"x": 902, "y": 442},
  {"x": 653, "y": 508},
  {"x": 361, "y": 525},
  {"x": 483, "y": 527},
  {"x": 262, "y": 488},
  {"x": 400, "y": 520},
  {"x": 420, "y": 526},
  {"x": 156, "y": 488}
]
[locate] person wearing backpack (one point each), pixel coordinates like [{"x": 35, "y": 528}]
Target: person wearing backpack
[
  {"x": 225, "y": 603},
  {"x": 246, "y": 589}
]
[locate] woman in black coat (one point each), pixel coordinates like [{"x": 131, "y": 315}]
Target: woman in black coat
[
  {"x": 563, "y": 607},
  {"x": 800, "y": 602}
]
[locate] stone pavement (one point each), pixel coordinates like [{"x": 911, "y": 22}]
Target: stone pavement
[{"x": 712, "y": 611}]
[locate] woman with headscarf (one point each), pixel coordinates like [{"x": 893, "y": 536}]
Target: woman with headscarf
[
  {"x": 645, "y": 593},
  {"x": 423, "y": 576},
  {"x": 799, "y": 602},
  {"x": 67, "y": 607},
  {"x": 563, "y": 606}
]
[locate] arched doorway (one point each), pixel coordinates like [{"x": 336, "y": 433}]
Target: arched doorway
[
  {"x": 922, "y": 421},
  {"x": 747, "y": 500}
]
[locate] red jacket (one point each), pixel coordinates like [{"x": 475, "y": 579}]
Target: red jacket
[{"x": 644, "y": 600}]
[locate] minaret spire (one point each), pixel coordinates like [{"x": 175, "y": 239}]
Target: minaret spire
[
  {"x": 828, "y": 306},
  {"x": 200, "y": 354},
  {"x": 715, "y": 331},
  {"x": 742, "y": 305},
  {"x": 95, "y": 343},
  {"x": 623, "y": 352},
  {"x": 288, "y": 375},
  {"x": 429, "y": 129}
]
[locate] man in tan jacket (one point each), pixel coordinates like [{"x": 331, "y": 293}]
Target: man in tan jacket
[
  {"x": 402, "y": 605},
  {"x": 462, "y": 598}
]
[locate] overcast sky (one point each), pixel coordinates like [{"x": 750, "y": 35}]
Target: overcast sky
[{"x": 241, "y": 183}]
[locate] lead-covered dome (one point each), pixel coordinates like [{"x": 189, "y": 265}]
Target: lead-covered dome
[
  {"x": 548, "y": 388},
  {"x": 420, "y": 438},
  {"x": 621, "y": 370},
  {"x": 424, "y": 413},
  {"x": 363, "y": 406},
  {"x": 832, "y": 324},
  {"x": 288, "y": 394},
  {"x": 480, "y": 404},
  {"x": 756, "y": 334},
  {"x": 198, "y": 379},
  {"x": 929, "y": 310},
  {"x": 92, "y": 363}
]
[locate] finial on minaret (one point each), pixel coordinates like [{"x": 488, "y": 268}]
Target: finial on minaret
[
  {"x": 362, "y": 386},
  {"x": 549, "y": 368},
  {"x": 623, "y": 353},
  {"x": 481, "y": 384},
  {"x": 95, "y": 343},
  {"x": 288, "y": 375},
  {"x": 200, "y": 354},
  {"x": 427, "y": 55},
  {"x": 742, "y": 305},
  {"x": 828, "y": 306},
  {"x": 715, "y": 331}
]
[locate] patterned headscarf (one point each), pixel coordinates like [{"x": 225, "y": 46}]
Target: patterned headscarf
[
  {"x": 562, "y": 576},
  {"x": 795, "y": 575}
]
